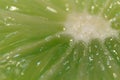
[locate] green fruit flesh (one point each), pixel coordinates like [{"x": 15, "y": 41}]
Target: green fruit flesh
[{"x": 33, "y": 47}]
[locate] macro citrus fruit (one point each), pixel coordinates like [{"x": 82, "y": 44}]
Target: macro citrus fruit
[{"x": 60, "y": 40}]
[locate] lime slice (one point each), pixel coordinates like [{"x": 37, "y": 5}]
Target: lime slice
[{"x": 59, "y": 40}]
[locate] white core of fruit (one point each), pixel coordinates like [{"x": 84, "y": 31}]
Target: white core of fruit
[{"x": 86, "y": 27}]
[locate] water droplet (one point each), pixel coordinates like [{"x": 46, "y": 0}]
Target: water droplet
[
  {"x": 118, "y": 58},
  {"x": 76, "y": 1},
  {"x": 111, "y": 39},
  {"x": 96, "y": 46},
  {"x": 115, "y": 52},
  {"x": 48, "y": 38},
  {"x": 22, "y": 73},
  {"x": 16, "y": 55},
  {"x": 92, "y": 7},
  {"x": 110, "y": 58},
  {"x": 109, "y": 66},
  {"x": 58, "y": 35},
  {"x": 105, "y": 16},
  {"x": 7, "y": 57},
  {"x": 114, "y": 75},
  {"x": 67, "y": 68},
  {"x": 67, "y": 7},
  {"x": 103, "y": 68},
  {"x": 66, "y": 62},
  {"x": 71, "y": 40},
  {"x": 38, "y": 63},
  {"x": 111, "y": 6},
  {"x": 64, "y": 29},
  {"x": 51, "y": 9},
  {"x": 8, "y": 21},
  {"x": 12, "y": 62},
  {"x": 13, "y": 8},
  {"x": 91, "y": 59},
  {"x": 97, "y": 54},
  {"x": 118, "y": 2},
  {"x": 112, "y": 20},
  {"x": 18, "y": 63}
]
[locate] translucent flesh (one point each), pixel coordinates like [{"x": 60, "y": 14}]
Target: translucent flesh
[{"x": 34, "y": 47}]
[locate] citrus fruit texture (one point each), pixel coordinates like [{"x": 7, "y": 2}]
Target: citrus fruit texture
[{"x": 59, "y": 40}]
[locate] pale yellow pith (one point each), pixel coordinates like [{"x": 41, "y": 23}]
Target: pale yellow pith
[{"x": 86, "y": 27}]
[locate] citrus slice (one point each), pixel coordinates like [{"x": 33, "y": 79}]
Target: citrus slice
[{"x": 59, "y": 40}]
